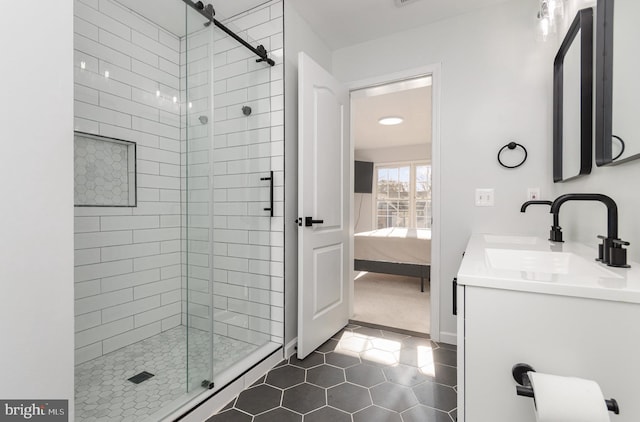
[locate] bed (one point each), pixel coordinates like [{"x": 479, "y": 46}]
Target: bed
[{"x": 394, "y": 250}]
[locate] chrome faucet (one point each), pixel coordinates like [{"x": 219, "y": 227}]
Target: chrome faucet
[
  {"x": 555, "y": 235},
  {"x": 611, "y": 251}
]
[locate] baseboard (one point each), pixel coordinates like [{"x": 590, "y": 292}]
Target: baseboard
[
  {"x": 449, "y": 338},
  {"x": 291, "y": 348}
]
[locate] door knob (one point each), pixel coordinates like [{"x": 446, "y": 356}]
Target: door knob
[{"x": 308, "y": 221}]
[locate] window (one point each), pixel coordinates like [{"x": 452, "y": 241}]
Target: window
[{"x": 403, "y": 195}]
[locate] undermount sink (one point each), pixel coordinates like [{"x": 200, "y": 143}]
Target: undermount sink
[
  {"x": 564, "y": 263},
  {"x": 511, "y": 240}
]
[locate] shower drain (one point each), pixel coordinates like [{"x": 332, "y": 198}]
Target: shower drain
[{"x": 142, "y": 376}]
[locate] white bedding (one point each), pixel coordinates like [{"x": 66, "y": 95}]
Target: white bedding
[{"x": 394, "y": 244}]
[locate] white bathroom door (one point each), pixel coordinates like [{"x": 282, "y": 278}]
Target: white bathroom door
[{"x": 323, "y": 205}]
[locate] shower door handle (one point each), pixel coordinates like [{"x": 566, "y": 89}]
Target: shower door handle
[{"x": 270, "y": 178}]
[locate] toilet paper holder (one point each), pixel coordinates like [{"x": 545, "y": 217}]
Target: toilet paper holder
[{"x": 524, "y": 388}]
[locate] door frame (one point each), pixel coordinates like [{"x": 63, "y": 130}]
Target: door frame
[{"x": 435, "y": 71}]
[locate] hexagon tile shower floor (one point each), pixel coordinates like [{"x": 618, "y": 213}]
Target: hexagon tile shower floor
[{"x": 103, "y": 389}]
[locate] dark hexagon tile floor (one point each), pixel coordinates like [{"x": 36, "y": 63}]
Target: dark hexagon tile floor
[
  {"x": 361, "y": 375},
  {"x": 365, "y": 375},
  {"x": 325, "y": 376},
  {"x": 349, "y": 397},
  {"x": 304, "y": 398},
  {"x": 393, "y": 397},
  {"x": 328, "y": 414},
  {"x": 258, "y": 399},
  {"x": 375, "y": 413}
]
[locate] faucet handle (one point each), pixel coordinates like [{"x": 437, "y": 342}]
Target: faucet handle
[
  {"x": 620, "y": 242},
  {"x": 603, "y": 249},
  {"x": 555, "y": 235},
  {"x": 618, "y": 254}
]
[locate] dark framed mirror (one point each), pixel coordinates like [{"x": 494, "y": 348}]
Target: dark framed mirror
[
  {"x": 617, "y": 83},
  {"x": 573, "y": 100}
]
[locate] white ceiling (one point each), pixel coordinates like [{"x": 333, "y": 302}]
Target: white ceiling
[
  {"x": 341, "y": 23},
  {"x": 413, "y": 105}
]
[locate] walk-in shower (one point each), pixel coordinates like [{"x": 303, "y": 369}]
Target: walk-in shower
[{"x": 179, "y": 244}]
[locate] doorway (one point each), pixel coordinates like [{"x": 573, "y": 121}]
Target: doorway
[{"x": 394, "y": 202}]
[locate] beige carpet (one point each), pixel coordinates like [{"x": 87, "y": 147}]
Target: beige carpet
[{"x": 391, "y": 300}]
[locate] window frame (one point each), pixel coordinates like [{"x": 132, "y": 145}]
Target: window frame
[{"x": 413, "y": 218}]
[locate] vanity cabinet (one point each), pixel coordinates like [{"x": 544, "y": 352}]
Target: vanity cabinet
[{"x": 549, "y": 325}]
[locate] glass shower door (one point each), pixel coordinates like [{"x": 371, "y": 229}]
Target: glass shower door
[
  {"x": 228, "y": 205},
  {"x": 197, "y": 170},
  {"x": 243, "y": 192}
]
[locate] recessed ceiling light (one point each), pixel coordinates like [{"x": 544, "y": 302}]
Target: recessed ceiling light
[{"x": 390, "y": 121}]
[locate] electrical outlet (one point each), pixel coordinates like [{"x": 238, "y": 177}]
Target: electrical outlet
[
  {"x": 484, "y": 198},
  {"x": 533, "y": 194}
]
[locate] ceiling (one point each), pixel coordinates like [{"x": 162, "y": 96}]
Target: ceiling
[
  {"x": 413, "y": 104},
  {"x": 340, "y": 23}
]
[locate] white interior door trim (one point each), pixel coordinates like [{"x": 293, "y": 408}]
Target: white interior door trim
[{"x": 435, "y": 71}]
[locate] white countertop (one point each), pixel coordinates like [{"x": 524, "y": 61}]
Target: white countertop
[{"x": 533, "y": 264}]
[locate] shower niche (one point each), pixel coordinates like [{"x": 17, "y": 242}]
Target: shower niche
[{"x": 104, "y": 171}]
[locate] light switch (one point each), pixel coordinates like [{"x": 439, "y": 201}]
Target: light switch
[{"x": 484, "y": 198}]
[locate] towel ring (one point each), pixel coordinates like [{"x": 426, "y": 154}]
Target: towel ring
[
  {"x": 512, "y": 145},
  {"x": 622, "y": 147}
]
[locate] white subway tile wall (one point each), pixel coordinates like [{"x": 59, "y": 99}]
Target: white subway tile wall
[
  {"x": 125, "y": 291},
  {"x": 239, "y": 259},
  {"x": 131, "y": 265}
]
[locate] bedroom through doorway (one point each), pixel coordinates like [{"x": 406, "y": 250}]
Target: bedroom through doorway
[{"x": 392, "y": 204}]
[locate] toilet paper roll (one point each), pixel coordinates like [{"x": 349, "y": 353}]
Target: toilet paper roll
[{"x": 567, "y": 399}]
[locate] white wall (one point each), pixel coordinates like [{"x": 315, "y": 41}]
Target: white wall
[
  {"x": 362, "y": 205},
  {"x": 394, "y": 154},
  {"x": 298, "y": 37},
  {"x": 496, "y": 87},
  {"x": 36, "y": 215}
]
